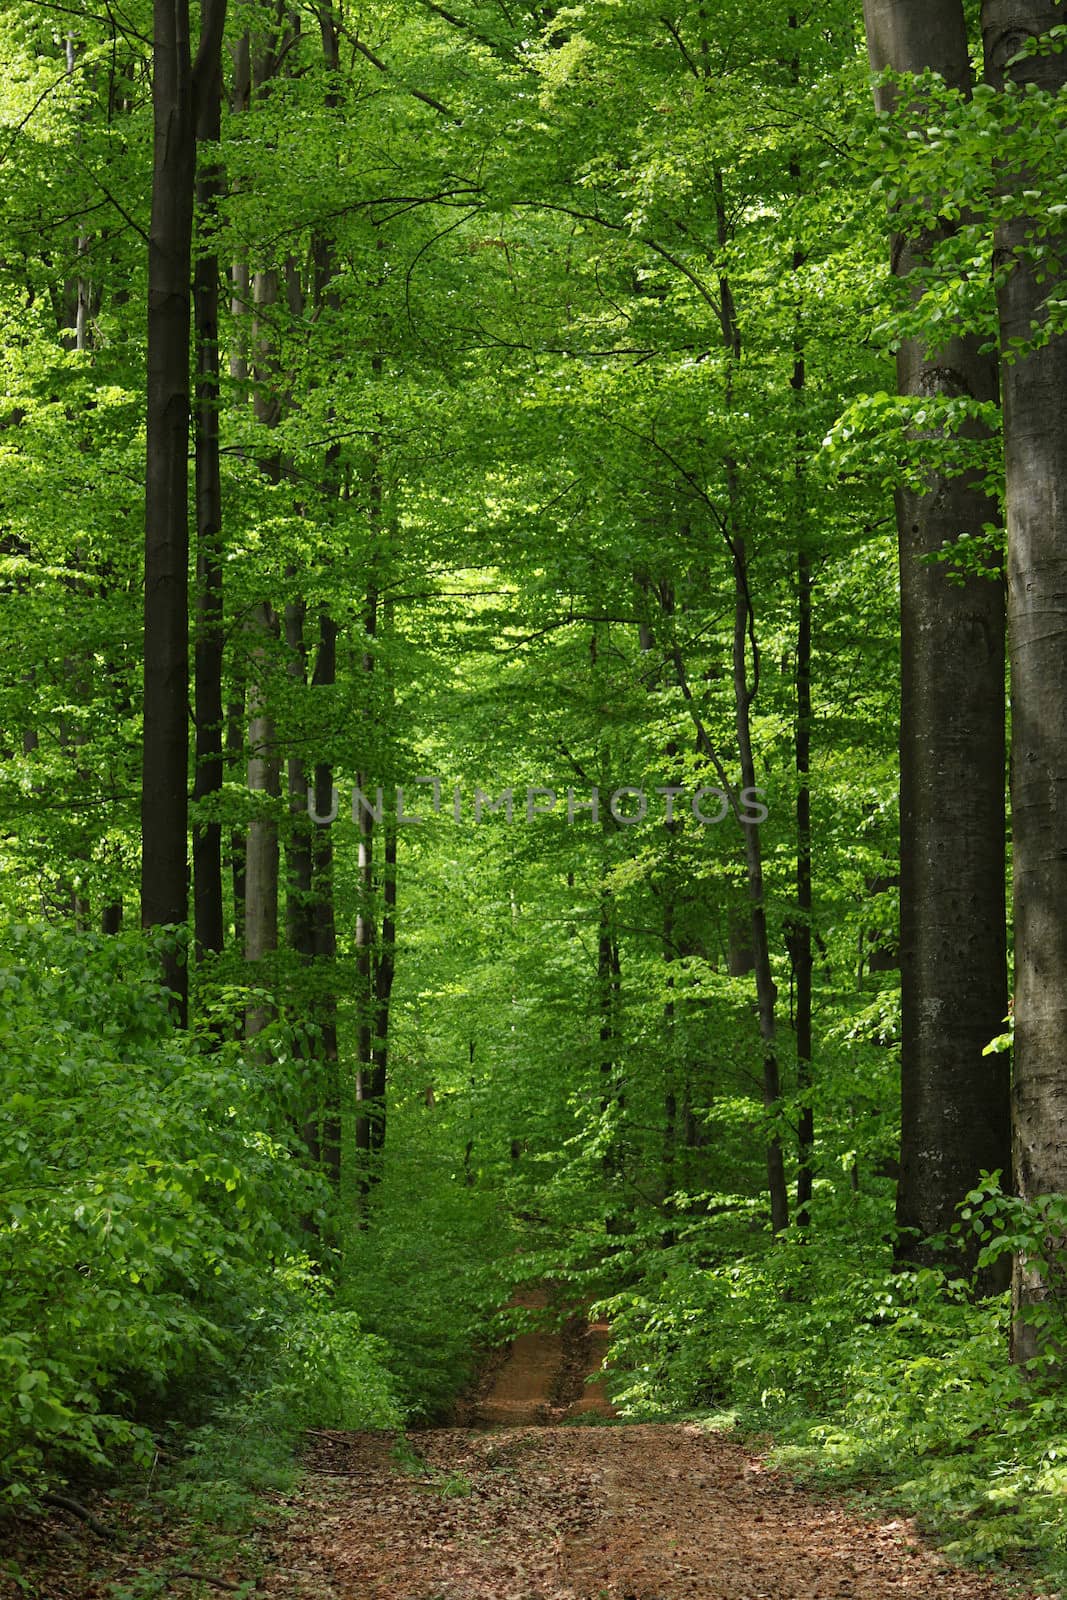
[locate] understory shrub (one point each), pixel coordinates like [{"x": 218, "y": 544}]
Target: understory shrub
[
  {"x": 899, "y": 1377},
  {"x": 427, "y": 1274},
  {"x": 150, "y": 1245}
]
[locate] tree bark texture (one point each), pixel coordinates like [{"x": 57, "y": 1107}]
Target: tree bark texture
[
  {"x": 208, "y": 650},
  {"x": 1035, "y": 441},
  {"x": 955, "y": 1101},
  {"x": 164, "y": 791},
  {"x": 261, "y": 854}
]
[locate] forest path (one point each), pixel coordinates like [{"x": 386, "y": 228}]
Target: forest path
[
  {"x": 643, "y": 1512},
  {"x": 515, "y": 1508},
  {"x": 542, "y": 1378}
]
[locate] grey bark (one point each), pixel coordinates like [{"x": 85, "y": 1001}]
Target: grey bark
[
  {"x": 261, "y": 852},
  {"x": 1035, "y": 442},
  {"x": 955, "y": 1108},
  {"x": 264, "y": 769},
  {"x": 370, "y": 1108},
  {"x": 324, "y": 1137}
]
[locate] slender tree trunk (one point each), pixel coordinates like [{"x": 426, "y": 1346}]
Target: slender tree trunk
[
  {"x": 800, "y": 942},
  {"x": 236, "y": 761},
  {"x": 324, "y": 1140},
  {"x": 236, "y": 710},
  {"x": 264, "y": 767},
  {"x": 673, "y": 1054},
  {"x": 800, "y": 939},
  {"x": 261, "y": 855},
  {"x": 370, "y": 1087},
  {"x": 744, "y": 696},
  {"x": 323, "y": 1130},
  {"x": 766, "y": 991},
  {"x": 164, "y": 791},
  {"x": 384, "y": 973},
  {"x": 799, "y": 936},
  {"x": 1035, "y": 439},
  {"x": 955, "y": 1105},
  {"x": 612, "y": 1094},
  {"x": 207, "y": 662},
  {"x": 366, "y": 1106},
  {"x": 299, "y": 917},
  {"x": 385, "y": 946}
]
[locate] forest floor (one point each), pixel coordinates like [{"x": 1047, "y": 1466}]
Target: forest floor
[{"x": 514, "y": 1506}]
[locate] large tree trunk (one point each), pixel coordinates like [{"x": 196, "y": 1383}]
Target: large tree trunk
[
  {"x": 955, "y": 1101},
  {"x": 1035, "y": 439},
  {"x": 164, "y": 793}
]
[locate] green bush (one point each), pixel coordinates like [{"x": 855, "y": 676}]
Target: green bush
[
  {"x": 899, "y": 1377},
  {"x": 427, "y": 1274},
  {"x": 149, "y": 1215}
]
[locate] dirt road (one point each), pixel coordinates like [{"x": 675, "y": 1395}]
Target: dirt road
[{"x": 517, "y": 1507}]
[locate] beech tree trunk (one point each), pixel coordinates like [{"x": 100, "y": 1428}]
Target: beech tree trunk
[
  {"x": 384, "y": 972},
  {"x": 240, "y": 310},
  {"x": 164, "y": 792},
  {"x": 766, "y": 991},
  {"x": 261, "y": 854},
  {"x": 955, "y": 1101},
  {"x": 264, "y": 767},
  {"x": 1035, "y": 441},
  {"x": 745, "y": 691},
  {"x": 800, "y": 936},
  {"x": 299, "y": 918},
  {"x": 800, "y": 939},
  {"x": 322, "y": 1131},
  {"x": 236, "y": 763},
  {"x": 324, "y": 1138},
  {"x": 369, "y": 1106},
  {"x": 207, "y": 666}
]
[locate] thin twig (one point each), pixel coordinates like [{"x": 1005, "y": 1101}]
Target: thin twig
[{"x": 205, "y": 1577}]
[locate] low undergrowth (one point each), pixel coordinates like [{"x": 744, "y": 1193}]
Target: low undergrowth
[
  {"x": 159, "y": 1294},
  {"x": 896, "y": 1381}
]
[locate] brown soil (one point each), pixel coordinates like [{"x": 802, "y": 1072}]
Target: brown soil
[
  {"x": 650, "y": 1512},
  {"x": 541, "y": 1378},
  {"x": 533, "y": 1511}
]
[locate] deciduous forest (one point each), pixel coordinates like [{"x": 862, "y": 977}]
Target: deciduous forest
[{"x": 533, "y": 802}]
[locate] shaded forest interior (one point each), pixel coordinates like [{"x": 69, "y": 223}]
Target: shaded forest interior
[{"x": 532, "y": 713}]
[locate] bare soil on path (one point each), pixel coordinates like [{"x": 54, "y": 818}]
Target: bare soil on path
[
  {"x": 515, "y": 1507},
  {"x": 649, "y": 1512}
]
